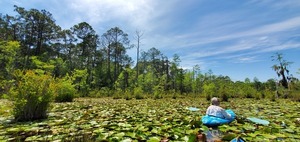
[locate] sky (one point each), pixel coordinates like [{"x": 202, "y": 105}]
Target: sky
[{"x": 234, "y": 38}]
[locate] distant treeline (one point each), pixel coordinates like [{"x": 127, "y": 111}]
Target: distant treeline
[{"x": 100, "y": 66}]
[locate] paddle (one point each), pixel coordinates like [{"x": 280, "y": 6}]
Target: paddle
[
  {"x": 193, "y": 109},
  {"x": 258, "y": 121}
]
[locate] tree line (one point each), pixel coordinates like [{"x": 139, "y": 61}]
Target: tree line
[{"x": 100, "y": 65}]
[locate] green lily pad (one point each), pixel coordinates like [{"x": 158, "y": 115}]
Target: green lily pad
[
  {"x": 269, "y": 136},
  {"x": 154, "y": 139},
  {"x": 229, "y": 137}
]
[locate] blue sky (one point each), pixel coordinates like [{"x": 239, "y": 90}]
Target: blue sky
[{"x": 234, "y": 38}]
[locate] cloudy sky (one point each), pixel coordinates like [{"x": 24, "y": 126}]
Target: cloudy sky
[{"x": 234, "y": 38}]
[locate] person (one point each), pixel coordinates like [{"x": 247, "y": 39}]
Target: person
[{"x": 215, "y": 110}]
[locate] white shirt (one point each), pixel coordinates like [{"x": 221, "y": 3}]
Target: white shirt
[{"x": 217, "y": 111}]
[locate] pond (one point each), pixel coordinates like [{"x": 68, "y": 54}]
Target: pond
[{"x": 107, "y": 119}]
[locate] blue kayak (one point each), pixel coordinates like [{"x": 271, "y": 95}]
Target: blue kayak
[{"x": 216, "y": 121}]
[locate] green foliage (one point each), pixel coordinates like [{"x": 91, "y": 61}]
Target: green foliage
[
  {"x": 31, "y": 95},
  {"x": 64, "y": 91},
  {"x": 99, "y": 70},
  {"x": 79, "y": 78},
  {"x": 208, "y": 97},
  {"x": 8, "y": 52},
  {"x": 107, "y": 119},
  {"x": 138, "y": 93},
  {"x": 128, "y": 94},
  {"x": 39, "y": 64},
  {"x": 105, "y": 92},
  {"x": 148, "y": 81},
  {"x": 60, "y": 67},
  {"x": 158, "y": 92},
  {"x": 295, "y": 96},
  {"x": 281, "y": 69},
  {"x": 209, "y": 90},
  {"x": 224, "y": 96},
  {"x": 118, "y": 94}
]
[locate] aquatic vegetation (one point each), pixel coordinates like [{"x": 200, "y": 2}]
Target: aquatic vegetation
[{"x": 107, "y": 119}]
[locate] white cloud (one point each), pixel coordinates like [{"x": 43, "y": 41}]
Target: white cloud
[
  {"x": 247, "y": 59},
  {"x": 284, "y": 46},
  {"x": 132, "y": 14}
]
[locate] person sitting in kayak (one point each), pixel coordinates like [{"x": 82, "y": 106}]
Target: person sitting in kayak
[{"x": 215, "y": 110}]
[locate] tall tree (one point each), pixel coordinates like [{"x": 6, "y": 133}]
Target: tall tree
[
  {"x": 138, "y": 37},
  {"x": 175, "y": 70},
  {"x": 116, "y": 43},
  {"x": 281, "y": 69},
  {"x": 87, "y": 40},
  {"x": 155, "y": 59},
  {"x": 68, "y": 48},
  {"x": 40, "y": 28},
  {"x": 9, "y": 28}
]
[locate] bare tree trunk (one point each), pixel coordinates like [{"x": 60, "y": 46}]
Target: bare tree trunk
[{"x": 138, "y": 37}]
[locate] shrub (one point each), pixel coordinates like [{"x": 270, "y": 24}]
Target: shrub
[
  {"x": 138, "y": 93},
  {"x": 224, "y": 96},
  {"x": 158, "y": 96},
  {"x": 117, "y": 94},
  {"x": 295, "y": 96},
  {"x": 158, "y": 91},
  {"x": 79, "y": 78},
  {"x": 105, "y": 91},
  {"x": 127, "y": 95},
  {"x": 31, "y": 95},
  {"x": 64, "y": 90},
  {"x": 208, "y": 97}
]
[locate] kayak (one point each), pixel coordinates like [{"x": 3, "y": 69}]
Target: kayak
[{"x": 216, "y": 121}]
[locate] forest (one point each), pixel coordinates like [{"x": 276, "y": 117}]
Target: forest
[{"x": 42, "y": 63}]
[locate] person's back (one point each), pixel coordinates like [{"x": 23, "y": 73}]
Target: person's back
[{"x": 216, "y": 110}]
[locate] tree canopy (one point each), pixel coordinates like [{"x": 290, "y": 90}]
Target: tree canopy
[{"x": 33, "y": 40}]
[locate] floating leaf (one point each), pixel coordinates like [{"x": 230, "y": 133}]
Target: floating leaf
[
  {"x": 269, "y": 136},
  {"x": 229, "y": 137},
  {"x": 154, "y": 139},
  {"x": 192, "y": 138}
]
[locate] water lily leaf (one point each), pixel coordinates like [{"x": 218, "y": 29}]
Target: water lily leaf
[
  {"x": 229, "y": 137},
  {"x": 99, "y": 130},
  {"x": 131, "y": 134},
  {"x": 279, "y": 135},
  {"x": 289, "y": 130},
  {"x": 154, "y": 139},
  {"x": 120, "y": 135},
  {"x": 105, "y": 123},
  {"x": 93, "y": 122},
  {"x": 127, "y": 140},
  {"x": 192, "y": 138},
  {"x": 269, "y": 136},
  {"x": 154, "y": 130},
  {"x": 252, "y": 135},
  {"x": 2, "y": 138},
  {"x": 32, "y": 138},
  {"x": 205, "y": 128},
  {"x": 249, "y": 127},
  {"x": 13, "y": 130}
]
